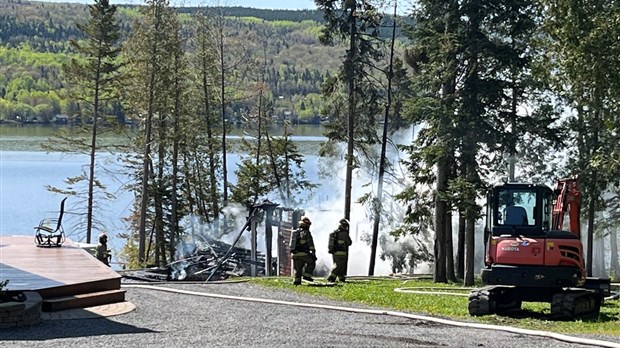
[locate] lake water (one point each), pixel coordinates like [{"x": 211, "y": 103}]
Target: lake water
[
  {"x": 26, "y": 170},
  {"x": 24, "y": 199}
]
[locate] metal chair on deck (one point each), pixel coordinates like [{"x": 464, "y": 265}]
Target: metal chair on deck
[{"x": 50, "y": 233}]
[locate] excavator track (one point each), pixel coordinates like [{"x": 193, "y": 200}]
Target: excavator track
[
  {"x": 491, "y": 300},
  {"x": 480, "y": 302},
  {"x": 567, "y": 305},
  {"x": 575, "y": 304}
]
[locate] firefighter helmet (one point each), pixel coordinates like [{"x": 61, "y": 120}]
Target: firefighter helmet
[
  {"x": 306, "y": 220},
  {"x": 344, "y": 222}
]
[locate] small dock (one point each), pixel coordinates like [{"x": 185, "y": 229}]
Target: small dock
[{"x": 65, "y": 277}]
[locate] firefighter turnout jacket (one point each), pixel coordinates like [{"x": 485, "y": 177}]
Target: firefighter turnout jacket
[
  {"x": 301, "y": 241},
  {"x": 339, "y": 241}
]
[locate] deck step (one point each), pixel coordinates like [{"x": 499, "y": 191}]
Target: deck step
[{"x": 83, "y": 300}]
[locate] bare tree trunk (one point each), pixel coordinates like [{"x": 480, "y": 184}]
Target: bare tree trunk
[
  {"x": 443, "y": 164},
  {"x": 460, "y": 254},
  {"x": 470, "y": 226},
  {"x": 93, "y": 152},
  {"x": 223, "y": 107},
  {"x": 613, "y": 247},
  {"x": 206, "y": 96},
  {"x": 377, "y": 207},
  {"x": 599, "y": 270},
  {"x": 158, "y": 195},
  {"x": 147, "y": 140},
  {"x": 591, "y": 216},
  {"x": 592, "y": 183},
  {"x": 174, "y": 213},
  {"x": 470, "y": 247},
  {"x": 174, "y": 206},
  {"x": 440, "y": 222},
  {"x": 351, "y": 117},
  {"x": 145, "y": 175},
  {"x": 258, "y": 142},
  {"x": 449, "y": 249}
]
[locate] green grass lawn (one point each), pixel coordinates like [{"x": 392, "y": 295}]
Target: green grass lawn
[{"x": 381, "y": 293}]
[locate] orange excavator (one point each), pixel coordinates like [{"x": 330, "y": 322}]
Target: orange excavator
[{"x": 531, "y": 257}]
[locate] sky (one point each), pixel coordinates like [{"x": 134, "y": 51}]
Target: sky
[{"x": 266, "y": 4}]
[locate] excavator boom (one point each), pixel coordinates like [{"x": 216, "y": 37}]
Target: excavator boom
[{"x": 568, "y": 198}]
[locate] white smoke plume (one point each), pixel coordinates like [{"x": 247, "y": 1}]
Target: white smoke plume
[{"x": 325, "y": 207}]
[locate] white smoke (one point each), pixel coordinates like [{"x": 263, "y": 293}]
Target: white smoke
[
  {"x": 325, "y": 207},
  {"x": 328, "y": 209}
]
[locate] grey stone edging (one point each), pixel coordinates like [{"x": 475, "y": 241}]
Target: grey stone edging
[{"x": 15, "y": 314}]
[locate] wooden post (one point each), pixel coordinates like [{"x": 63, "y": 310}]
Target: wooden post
[
  {"x": 269, "y": 208},
  {"x": 253, "y": 254}
]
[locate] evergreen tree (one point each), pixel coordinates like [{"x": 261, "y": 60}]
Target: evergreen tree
[
  {"x": 152, "y": 81},
  {"x": 585, "y": 56},
  {"x": 94, "y": 78},
  {"x": 434, "y": 62},
  {"x": 472, "y": 64},
  {"x": 356, "y": 22},
  {"x": 377, "y": 204},
  {"x": 207, "y": 83},
  {"x": 272, "y": 168}
]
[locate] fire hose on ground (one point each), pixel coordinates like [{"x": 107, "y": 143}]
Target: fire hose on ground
[
  {"x": 556, "y": 336},
  {"x": 454, "y": 292}
]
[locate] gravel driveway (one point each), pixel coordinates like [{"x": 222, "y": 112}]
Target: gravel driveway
[{"x": 164, "y": 319}]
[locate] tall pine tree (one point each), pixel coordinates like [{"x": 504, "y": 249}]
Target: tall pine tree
[{"x": 94, "y": 79}]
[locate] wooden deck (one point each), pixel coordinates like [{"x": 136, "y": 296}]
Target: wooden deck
[{"x": 53, "y": 272}]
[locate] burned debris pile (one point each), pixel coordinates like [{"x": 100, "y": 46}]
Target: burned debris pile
[{"x": 212, "y": 260}]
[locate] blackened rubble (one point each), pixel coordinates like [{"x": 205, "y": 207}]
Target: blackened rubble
[{"x": 200, "y": 262}]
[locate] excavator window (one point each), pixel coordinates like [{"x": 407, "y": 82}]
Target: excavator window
[
  {"x": 516, "y": 207},
  {"x": 522, "y": 209}
]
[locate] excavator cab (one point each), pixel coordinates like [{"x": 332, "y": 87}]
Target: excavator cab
[
  {"x": 520, "y": 209},
  {"x": 522, "y": 238},
  {"x": 530, "y": 257}
]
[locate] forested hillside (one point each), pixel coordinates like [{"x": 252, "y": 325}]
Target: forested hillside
[{"x": 35, "y": 42}]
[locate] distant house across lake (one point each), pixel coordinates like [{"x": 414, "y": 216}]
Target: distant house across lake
[{"x": 60, "y": 119}]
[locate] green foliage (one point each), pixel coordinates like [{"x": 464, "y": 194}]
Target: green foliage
[
  {"x": 278, "y": 175},
  {"x": 32, "y": 84},
  {"x": 131, "y": 13},
  {"x": 587, "y": 79},
  {"x": 263, "y": 14},
  {"x": 129, "y": 254},
  {"x": 252, "y": 20},
  {"x": 298, "y": 63},
  {"x": 478, "y": 113}
]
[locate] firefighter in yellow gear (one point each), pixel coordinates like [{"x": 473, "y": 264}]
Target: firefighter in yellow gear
[
  {"x": 302, "y": 248},
  {"x": 338, "y": 246}
]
